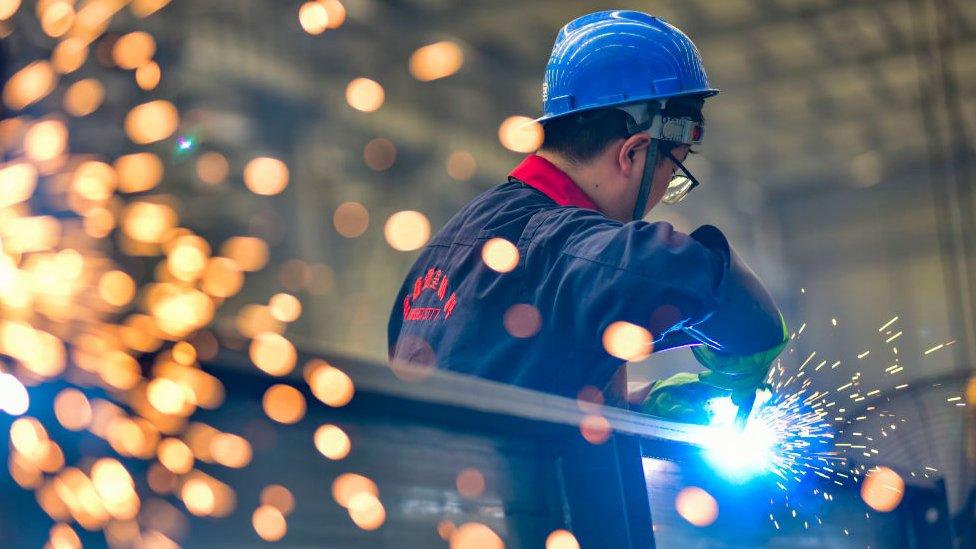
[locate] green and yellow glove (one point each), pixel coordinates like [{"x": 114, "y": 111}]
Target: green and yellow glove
[{"x": 681, "y": 397}]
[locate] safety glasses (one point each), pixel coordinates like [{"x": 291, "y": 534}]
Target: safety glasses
[{"x": 680, "y": 185}]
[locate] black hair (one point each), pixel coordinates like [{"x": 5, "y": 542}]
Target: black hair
[{"x": 583, "y": 136}]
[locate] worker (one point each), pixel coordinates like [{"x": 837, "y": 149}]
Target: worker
[{"x": 622, "y": 106}]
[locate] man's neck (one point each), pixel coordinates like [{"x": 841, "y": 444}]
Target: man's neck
[{"x": 590, "y": 178}]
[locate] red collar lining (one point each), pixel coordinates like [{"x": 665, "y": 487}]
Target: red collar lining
[{"x": 545, "y": 177}]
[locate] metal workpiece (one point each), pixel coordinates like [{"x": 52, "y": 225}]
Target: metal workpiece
[{"x": 541, "y": 472}]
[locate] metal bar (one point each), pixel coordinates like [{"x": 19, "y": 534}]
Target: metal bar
[
  {"x": 603, "y": 489},
  {"x": 480, "y": 395}
]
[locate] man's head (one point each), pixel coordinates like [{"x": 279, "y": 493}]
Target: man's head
[
  {"x": 601, "y": 152},
  {"x": 604, "y": 67}
]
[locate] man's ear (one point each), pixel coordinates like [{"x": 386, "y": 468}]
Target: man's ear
[{"x": 630, "y": 152}]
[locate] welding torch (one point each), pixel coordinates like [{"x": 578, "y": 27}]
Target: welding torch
[
  {"x": 760, "y": 395},
  {"x": 745, "y": 410}
]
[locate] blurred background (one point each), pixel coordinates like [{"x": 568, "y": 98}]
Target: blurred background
[{"x": 286, "y": 159}]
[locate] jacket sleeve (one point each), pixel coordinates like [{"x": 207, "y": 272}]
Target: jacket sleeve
[{"x": 685, "y": 289}]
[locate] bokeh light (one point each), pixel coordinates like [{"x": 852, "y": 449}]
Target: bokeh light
[
  {"x": 522, "y": 320},
  {"x": 204, "y": 495},
  {"x": 198, "y": 496},
  {"x": 269, "y": 523},
  {"x": 212, "y": 167},
  {"x": 437, "y": 60},
  {"x": 461, "y": 165},
  {"x": 313, "y": 17},
  {"x": 69, "y": 55},
  {"x": 57, "y": 18},
  {"x": 95, "y": 181},
  {"x": 595, "y": 428},
  {"x": 133, "y": 50},
  {"x": 175, "y": 455},
  {"x": 366, "y": 511},
  {"x": 347, "y": 485},
  {"x": 500, "y": 255},
  {"x": 475, "y": 535},
  {"x": 882, "y": 489},
  {"x": 285, "y": 307},
  {"x": 46, "y": 140},
  {"x": 336, "y": 12},
  {"x": 17, "y": 183},
  {"x": 379, "y": 154},
  {"x": 266, "y": 176},
  {"x": 329, "y": 384},
  {"x": 147, "y": 221},
  {"x": 284, "y": 404},
  {"x": 628, "y": 341},
  {"x": 332, "y": 442},
  {"x": 148, "y": 76},
  {"x": 351, "y": 219},
  {"x": 14, "y": 399},
  {"x": 72, "y": 409},
  {"x": 249, "y": 252},
  {"x": 278, "y": 497},
  {"x": 230, "y": 450},
  {"x": 407, "y": 230},
  {"x": 145, "y": 8},
  {"x": 8, "y": 8},
  {"x": 62, "y": 536},
  {"x": 138, "y": 172},
  {"x": 83, "y": 97},
  {"x": 520, "y": 134},
  {"x": 445, "y": 529},
  {"x": 470, "y": 483},
  {"x": 256, "y": 319},
  {"x": 696, "y": 506},
  {"x": 170, "y": 397},
  {"x": 365, "y": 95},
  {"x": 29, "y": 85},
  {"x": 222, "y": 277},
  {"x": 561, "y": 539},
  {"x": 273, "y": 354},
  {"x": 187, "y": 257},
  {"x": 151, "y": 122}
]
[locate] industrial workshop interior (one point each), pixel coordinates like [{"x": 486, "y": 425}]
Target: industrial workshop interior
[{"x": 484, "y": 274}]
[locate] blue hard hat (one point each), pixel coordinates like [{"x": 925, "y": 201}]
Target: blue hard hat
[{"x": 611, "y": 58}]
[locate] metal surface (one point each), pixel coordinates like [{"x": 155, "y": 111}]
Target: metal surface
[
  {"x": 414, "y": 435},
  {"x": 480, "y": 395}
]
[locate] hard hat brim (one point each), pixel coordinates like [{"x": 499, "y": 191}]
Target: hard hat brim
[{"x": 704, "y": 93}]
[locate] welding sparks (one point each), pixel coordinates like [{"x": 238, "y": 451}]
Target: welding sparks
[
  {"x": 886, "y": 324},
  {"x": 790, "y": 438},
  {"x": 784, "y": 437}
]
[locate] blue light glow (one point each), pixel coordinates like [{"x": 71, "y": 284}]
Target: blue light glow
[
  {"x": 739, "y": 455},
  {"x": 784, "y": 437}
]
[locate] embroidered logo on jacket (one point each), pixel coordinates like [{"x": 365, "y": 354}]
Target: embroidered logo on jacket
[{"x": 436, "y": 282}]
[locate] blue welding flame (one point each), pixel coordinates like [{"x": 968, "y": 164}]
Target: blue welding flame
[
  {"x": 784, "y": 436},
  {"x": 739, "y": 455}
]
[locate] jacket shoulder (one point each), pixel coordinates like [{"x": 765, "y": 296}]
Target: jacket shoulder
[{"x": 501, "y": 211}]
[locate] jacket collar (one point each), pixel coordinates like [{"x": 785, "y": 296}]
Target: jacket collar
[{"x": 545, "y": 177}]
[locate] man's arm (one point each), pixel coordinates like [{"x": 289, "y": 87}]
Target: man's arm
[{"x": 685, "y": 289}]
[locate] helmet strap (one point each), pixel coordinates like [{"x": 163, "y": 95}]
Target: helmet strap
[
  {"x": 641, "y": 117},
  {"x": 647, "y": 180}
]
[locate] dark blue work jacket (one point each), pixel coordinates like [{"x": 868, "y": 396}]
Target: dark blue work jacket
[{"x": 541, "y": 324}]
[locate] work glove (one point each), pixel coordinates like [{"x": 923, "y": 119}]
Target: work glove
[{"x": 682, "y": 397}]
